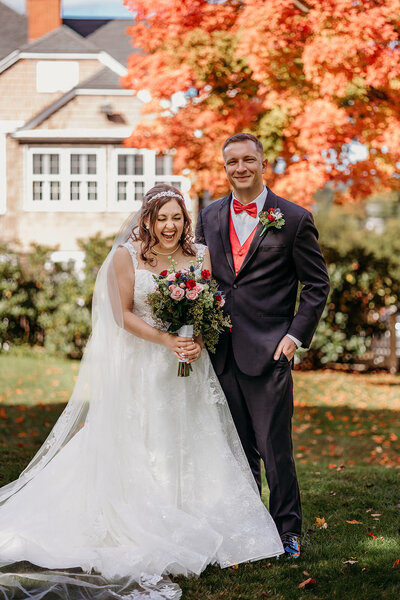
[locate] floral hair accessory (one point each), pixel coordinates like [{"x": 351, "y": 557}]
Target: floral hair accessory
[
  {"x": 273, "y": 217},
  {"x": 167, "y": 193}
]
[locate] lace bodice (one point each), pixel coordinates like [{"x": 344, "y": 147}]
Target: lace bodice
[{"x": 144, "y": 283}]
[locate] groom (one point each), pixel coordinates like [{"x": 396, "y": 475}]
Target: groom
[{"x": 259, "y": 273}]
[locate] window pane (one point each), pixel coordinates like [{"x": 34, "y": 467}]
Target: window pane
[
  {"x": 91, "y": 164},
  {"x": 37, "y": 164},
  {"x": 54, "y": 190},
  {"x": 130, "y": 164},
  {"x": 163, "y": 164},
  {"x": 54, "y": 164},
  {"x": 37, "y": 190},
  {"x": 139, "y": 190},
  {"x": 176, "y": 184},
  {"x": 122, "y": 164},
  {"x": 160, "y": 164},
  {"x": 92, "y": 190},
  {"x": 76, "y": 164},
  {"x": 74, "y": 190},
  {"x": 121, "y": 191},
  {"x": 138, "y": 169}
]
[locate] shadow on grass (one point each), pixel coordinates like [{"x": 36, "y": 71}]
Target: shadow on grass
[
  {"x": 342, "y": 434},
  {"x": 23, "y": 429}
]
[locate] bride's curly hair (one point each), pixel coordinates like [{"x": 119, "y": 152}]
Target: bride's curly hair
[{"x": 153, "y": 200}]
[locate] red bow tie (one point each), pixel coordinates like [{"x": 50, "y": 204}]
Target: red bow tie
[{"x": 251, "y": 209}]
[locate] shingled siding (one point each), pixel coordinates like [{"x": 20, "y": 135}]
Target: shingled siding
[
  {"x": 85, "y": 112},
  {"x": 15, "y": 190},
  {"x": 18, "y": 96},
  {"x": 63, "y": 229}
]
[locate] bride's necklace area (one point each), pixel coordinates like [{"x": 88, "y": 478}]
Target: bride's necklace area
[{"x": 165, "y": 253}]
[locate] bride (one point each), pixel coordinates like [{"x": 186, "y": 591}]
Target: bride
[{"x": 143, "y": 475}]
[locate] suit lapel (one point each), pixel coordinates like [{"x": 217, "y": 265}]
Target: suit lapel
[
  {"x": 270, "y": 202},
  {"x": 223, "y": 221}
]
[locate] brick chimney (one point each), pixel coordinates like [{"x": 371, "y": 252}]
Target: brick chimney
[{"x": 43, "y": 16}]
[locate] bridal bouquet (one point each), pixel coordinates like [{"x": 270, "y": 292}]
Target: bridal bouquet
[{"x": 190, "y": 303}]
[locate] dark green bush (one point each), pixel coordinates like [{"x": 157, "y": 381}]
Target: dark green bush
[
  {"x": 46, "y": 303},
  {"x": 364, "y": 269}
]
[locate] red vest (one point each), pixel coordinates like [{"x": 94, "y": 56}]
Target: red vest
[{"x": 239, "y": 252}]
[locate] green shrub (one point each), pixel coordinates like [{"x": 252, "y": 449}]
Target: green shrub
[
  {"x": 364, "y": 270},
  {"x": 46, "y": 303}
]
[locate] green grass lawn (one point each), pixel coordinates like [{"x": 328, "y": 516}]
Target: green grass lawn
[{"x": 347, "y": 446}]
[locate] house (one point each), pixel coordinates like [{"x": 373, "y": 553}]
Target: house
[{"x": 64, "y": 172}]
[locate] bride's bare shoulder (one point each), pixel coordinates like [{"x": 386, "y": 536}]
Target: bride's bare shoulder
[{"x": 123, "y": 257}]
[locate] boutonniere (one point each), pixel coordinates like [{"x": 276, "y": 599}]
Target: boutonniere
[{"x": 273, "y": 217}]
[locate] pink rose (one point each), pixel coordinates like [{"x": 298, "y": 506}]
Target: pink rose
[
  {"x": 199, "y": 288},
  {"x": 220, "y": 300},
  {"x": 171, "y": 277},
  {"x": 182, "y": 285},
  {"x": 192, "y": 294},
  {"x": 177, "y": 294},
  {"x": 172, "y": 287}
]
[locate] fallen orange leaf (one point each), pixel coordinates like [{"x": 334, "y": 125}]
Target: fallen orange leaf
[
  {"x": 320, "y": 522},
  {"x": 354, "y": 522},
  {"x": 396, "y": 564},
  {"x": 372, "y": 535},
  {"x": 332, "y": 466},
  {"x": 306, "y": 582}
]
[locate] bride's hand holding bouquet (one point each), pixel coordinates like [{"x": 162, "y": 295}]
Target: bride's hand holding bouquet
[{"x": 188, "y": 302}]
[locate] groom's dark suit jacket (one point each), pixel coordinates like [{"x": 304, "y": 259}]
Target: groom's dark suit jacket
[{"x": 261, "y": 298}]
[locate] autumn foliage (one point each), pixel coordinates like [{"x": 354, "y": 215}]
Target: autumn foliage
[{"x": 309, "y": 78}]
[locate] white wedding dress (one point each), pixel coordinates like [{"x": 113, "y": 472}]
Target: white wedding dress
[{"x": 154, "y": 482}]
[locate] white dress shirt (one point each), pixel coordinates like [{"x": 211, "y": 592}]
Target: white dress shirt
[{"x": 244, "y": 225}]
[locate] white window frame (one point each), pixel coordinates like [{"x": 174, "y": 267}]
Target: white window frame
[
  {"x": 149, "y": 178},
  {"x": 65, "y": 204},
  {"x": 3, "y": 174}
]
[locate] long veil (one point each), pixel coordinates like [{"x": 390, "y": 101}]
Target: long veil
[{"x": 95, "y": 400}]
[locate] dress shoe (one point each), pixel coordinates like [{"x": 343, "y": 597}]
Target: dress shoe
[{"x": 291, "y": 545}]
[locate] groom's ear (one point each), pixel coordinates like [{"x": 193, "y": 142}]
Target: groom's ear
[{"x": 264, "y": 165}]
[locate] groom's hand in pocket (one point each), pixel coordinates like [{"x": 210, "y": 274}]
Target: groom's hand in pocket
[{"x": 287, "y": 346}]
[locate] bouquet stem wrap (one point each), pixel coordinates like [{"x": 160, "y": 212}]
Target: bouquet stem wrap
[{"x": 183, "y": 368}]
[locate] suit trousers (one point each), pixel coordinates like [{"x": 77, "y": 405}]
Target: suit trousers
[{"x": 262, "y": 410}]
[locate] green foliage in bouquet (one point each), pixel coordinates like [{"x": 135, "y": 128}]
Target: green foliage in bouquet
[{"x": 189, "y": 296}]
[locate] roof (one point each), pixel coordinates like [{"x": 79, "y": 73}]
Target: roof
[
  {"x": 14, "y": 30},
  {"x": 113, "y": 38},
  {"x": 104, "y": 79},
  {"x": 61, "y": 40},
  {"x": 84, "y": 26}
]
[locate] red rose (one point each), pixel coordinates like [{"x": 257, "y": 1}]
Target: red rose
[
  {"x": 271, "y": 210},
  {"x": 218, "y": 298},
  {"x": 190, "y": 284},
  {"x": 206, "y": 274},
  {"x": 177, "y": 275},
  {"x": 164, "y": 273},
  {"x": 271, "y": 218}
]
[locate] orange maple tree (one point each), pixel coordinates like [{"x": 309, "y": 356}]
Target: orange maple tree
[{"x": 316, "y": 81}]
